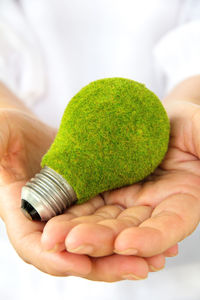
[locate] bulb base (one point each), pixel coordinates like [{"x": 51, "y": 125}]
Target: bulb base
[{"x": 46, "y": 195}]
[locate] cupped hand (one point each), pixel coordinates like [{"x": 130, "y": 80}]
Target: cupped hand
[
  {"x": 145, "y": 219},
  {"x": 172, "y": 191},
  {"x": 23, "y": 141},
  {"x": 91, "y": 229}
]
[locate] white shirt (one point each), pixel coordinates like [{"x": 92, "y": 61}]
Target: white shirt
[
  {"x": 50, "y": 49},
  {"x": 64, "y": 46}
]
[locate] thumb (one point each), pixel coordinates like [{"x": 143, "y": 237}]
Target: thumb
[
  {"x": 12, "y": 154},
  {"x": 185, "y": 126},
  {"x": 4, "y": 133}
]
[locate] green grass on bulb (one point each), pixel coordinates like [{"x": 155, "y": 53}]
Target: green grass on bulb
[{"x": 114, "y": 133}]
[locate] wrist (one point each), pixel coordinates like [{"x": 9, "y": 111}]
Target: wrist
[
  {"x": 10, "y": 101},
  {"x": 180, "y": 110},
  {"x": 186, "y": 91}
]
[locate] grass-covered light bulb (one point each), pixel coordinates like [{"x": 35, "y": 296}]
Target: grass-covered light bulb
[{"x": 113, "y": 133}]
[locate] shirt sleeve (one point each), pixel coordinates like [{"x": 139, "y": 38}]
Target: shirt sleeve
[
  {"x": 177, "y": 54},
  {"x": 21, "y": 62}
]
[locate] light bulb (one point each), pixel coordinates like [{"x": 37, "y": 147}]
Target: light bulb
[{"x": 113, "y": 133}]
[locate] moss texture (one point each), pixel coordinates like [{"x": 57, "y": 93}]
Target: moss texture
[{"x": 114, "y": 132}]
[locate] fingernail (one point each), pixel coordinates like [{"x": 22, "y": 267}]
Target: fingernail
[
  {"x": 153, "y": 269},
  {"x": 129, "y": 251},
  {"x": 131, "y": 276},
  {"x": 83, "y": 249},
  {"x": 57, "y": 248}
]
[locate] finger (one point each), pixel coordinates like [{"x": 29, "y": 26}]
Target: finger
[
  {"x": 154, "y": 192},
  {"x": 117, "y": 267},
  {"x": 124, "y": 196},
  {"x": 57, "y": 264},
  {"x": 156, "y": 263},
  {"x": 97, "y": 239},
  {"x": 171, "y": 221},
  {"x": 86, "y": 208},
  {"x": 172, "y": 251},
  {"x": 57, "y": 228}
]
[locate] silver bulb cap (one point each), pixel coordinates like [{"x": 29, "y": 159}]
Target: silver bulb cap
[{"x": 46, "y": 195}]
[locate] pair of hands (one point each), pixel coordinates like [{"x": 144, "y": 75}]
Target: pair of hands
[{"x": 121, "y": 234}]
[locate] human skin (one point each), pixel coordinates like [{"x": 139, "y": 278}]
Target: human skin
[
  {"x": 171, "y": 195},
  {"x": 23, "y": 141},
  {"x": 32, "y": 239}
]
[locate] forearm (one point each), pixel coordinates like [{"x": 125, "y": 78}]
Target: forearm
[
  {"x": 9, "y": 100},
  {"x": 188, "y": 90}
]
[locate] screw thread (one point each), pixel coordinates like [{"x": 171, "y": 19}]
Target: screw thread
[{"x": 48, "y": 194}]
